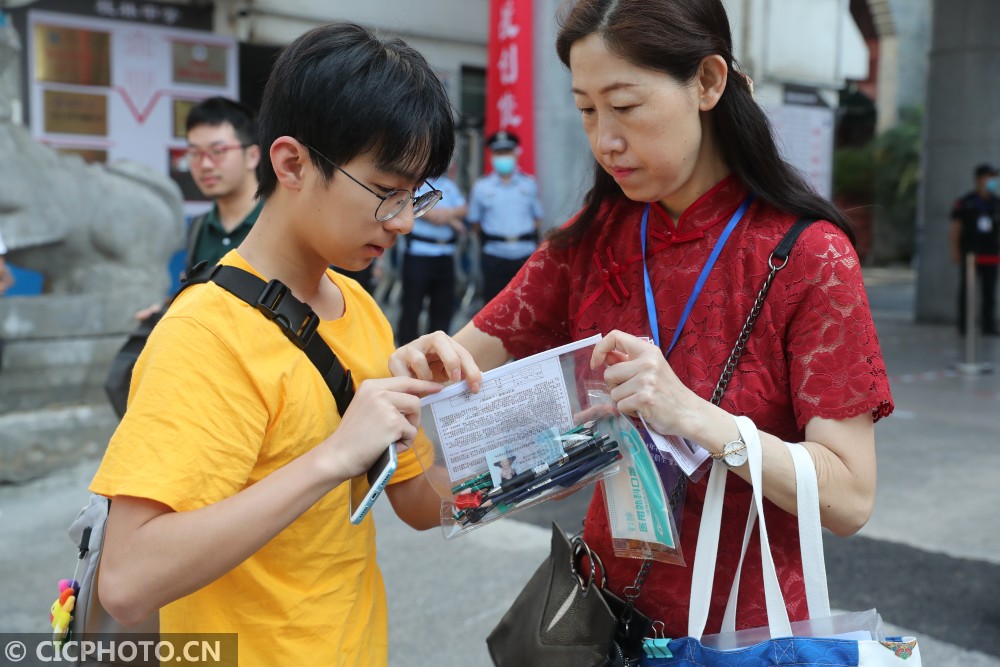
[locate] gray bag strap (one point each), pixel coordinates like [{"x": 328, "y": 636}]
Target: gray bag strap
[{"x": 89, "y": 616}]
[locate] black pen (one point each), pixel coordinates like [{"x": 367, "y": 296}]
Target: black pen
[
  {"x": 566, "y": 474},
  {"x": 561, "y": 467},
  {"x": 569, "y": 477},
  {"x": 596, "y": 440},
  {"x": 594, "y": 444}
]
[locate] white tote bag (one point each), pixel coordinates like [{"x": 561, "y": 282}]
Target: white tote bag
[{"x": 846, "y": 640}]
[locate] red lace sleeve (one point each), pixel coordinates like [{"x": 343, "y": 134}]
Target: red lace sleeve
[
  {"x": 531, "y": 314},
  {"x": 835, "y": 362}
]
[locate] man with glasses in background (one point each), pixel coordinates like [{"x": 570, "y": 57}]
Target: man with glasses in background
[{"x": 222, "y": 156}]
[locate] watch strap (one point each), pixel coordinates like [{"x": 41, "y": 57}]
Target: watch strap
[{"x": 730, "y": 447}]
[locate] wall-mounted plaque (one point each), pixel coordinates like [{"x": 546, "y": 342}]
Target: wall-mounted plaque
[
  {"x": 198, "y": 63},
  {"x": 72, "y": 55},
  {"x": 76, "y": 113},
  {"x": 181, "y": 109}
]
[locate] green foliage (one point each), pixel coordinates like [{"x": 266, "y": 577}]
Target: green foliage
[
  {"x": 897, "y": 172},
  {"x": 854, "y": 172},
  {"x": 885, "y": 172}
]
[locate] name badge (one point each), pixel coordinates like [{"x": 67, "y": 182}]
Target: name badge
[{"x": 985, "y": 224}]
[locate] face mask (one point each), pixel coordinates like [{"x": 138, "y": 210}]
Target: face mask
[
  {"x": 504, "y": 164},
  {"x": 993, "y": 184}
]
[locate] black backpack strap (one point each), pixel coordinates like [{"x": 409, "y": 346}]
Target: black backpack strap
[
  {"x": 295, "y": 319},
  {"x": 193, "y": 236}
]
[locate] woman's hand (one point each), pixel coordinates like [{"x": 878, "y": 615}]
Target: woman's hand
[
  {"x": 641, "y": 380},
  {"x": 436, "y": 357}
]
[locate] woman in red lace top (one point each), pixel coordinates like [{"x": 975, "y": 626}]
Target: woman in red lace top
[{"x": 671, "y": 122}]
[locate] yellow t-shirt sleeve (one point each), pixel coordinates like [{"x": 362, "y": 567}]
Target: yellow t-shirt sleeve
[{"x": 194, "y": 423}]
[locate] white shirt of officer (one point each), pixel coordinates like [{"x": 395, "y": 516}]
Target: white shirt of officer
[
  {"x": 507, "y": 209},
  {"x": 451, "y": 197}
]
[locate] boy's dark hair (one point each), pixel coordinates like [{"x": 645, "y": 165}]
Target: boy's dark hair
[
  {"x": 345, "y": 91},
  {"x": 674, "y": 36},
  {"x": 219, "y": 110}
]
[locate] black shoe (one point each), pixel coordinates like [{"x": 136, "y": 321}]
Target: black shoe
[{"x": 991, "y": 332}]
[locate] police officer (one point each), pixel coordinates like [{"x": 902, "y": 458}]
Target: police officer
[
  {"x": 504, "y": 207},
  {"x": 975, "y": 228},
  {"x": 429, "y": 263}
]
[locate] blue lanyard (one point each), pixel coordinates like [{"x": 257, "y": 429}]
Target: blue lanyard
[{"x": 651, "y": 302}]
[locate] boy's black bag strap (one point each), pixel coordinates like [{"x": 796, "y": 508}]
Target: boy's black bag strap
[{"x": 295, "y": 319}]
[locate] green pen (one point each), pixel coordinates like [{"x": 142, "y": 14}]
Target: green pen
[{"x": 478, "y": 481}]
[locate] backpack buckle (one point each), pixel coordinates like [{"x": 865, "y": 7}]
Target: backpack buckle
[{"x": 283, "y": 311}]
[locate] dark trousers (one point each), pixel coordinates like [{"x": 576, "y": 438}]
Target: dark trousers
[
  {"x": 986, "y": 279},
  {"x": 497, "y": 273},
  {"x": 424, "y": 277}
]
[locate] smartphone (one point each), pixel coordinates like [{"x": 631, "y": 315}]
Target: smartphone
[{"x": 365, "y": 489}]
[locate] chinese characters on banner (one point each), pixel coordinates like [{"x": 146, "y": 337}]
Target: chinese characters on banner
[{"x": 509, "y": 92}]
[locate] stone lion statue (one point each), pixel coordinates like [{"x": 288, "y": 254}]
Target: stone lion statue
[
  {"x": 86, "y": 227},
  {"x": 102, "y": 236}
]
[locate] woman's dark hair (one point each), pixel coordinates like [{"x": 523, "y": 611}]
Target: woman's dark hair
[
  {"x": 674, "y": 36},
  {"x": 219, "y": 110},
  {"x": 345, "y": 91}
]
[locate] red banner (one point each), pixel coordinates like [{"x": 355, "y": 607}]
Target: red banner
[{"x": 509, "y": 91}]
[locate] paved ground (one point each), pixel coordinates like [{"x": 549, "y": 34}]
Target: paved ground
[{"x": 929, "y": 559}]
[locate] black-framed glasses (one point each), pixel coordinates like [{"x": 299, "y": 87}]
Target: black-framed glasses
[{"x": 393, "y": 201}]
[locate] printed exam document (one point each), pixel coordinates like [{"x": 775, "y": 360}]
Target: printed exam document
[{"x": 511, "y": 417}]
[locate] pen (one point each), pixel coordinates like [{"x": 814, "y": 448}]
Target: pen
[
  {"x": 595, "y": 440},
  {"x": 585, "y": 426},
  {"x": 568, "y": 477},
  {"x": 596, "y": 444},
  {"x": 557, "y": 471},
  {"x": 475, "y": 483}
]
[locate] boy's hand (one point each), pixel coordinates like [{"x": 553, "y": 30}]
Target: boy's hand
[
  {"x": 384, "y": 411},
  {"x": 436, "y": 357}
]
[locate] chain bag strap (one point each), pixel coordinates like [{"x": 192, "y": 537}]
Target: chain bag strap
[
  {"x": 556, "y": 621},
  {"x": 776, "y": 262}
]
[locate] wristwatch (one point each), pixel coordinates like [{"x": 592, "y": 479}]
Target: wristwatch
[{"x": 733, "y": 454}]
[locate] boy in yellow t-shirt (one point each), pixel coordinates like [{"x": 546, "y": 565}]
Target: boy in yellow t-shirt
[{"x": 230, "y": 512}]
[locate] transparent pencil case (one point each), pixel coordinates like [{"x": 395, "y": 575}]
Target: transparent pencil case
[{"x": 529, "y": 435}]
